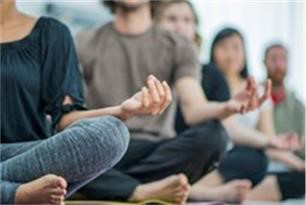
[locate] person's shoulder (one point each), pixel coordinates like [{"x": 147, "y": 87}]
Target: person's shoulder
[
  {"x": 293, "y": 96},
  {"x": 53, "y": 24},
  {"x": 53, "y": 32},
  {"x": 211, "y": 69},
  {"x": 171, "y": 38},
  {"x": 92, "y": 35}
]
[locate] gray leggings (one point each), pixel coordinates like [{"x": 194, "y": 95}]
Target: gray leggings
[{"x": 80, "y": 153}]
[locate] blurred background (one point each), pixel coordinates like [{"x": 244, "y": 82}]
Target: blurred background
[{"x": 261, "y": 22}]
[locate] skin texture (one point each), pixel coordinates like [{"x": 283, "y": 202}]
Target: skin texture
[{"x": 180, "y": 22}]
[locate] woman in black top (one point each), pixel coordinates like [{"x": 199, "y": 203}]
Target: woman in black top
[{"x": 49, "y": 147}]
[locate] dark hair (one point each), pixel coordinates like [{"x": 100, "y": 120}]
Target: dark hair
[
  {"x": 226, "y": 33},
  {"x": 274, "y": 45},
  {"x": 111, "y": 5}
]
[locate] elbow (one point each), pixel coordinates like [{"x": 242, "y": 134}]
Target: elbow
[
  {"x": 63, "y": 123},
  {"x": 190, "y": 119},
  {"x": 60, "y": 126}
]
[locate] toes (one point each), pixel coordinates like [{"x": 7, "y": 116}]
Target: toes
[
  {"x": 246, "y": 184},
  {"x": 62, "y": 182},
  {"x": 59, "y": 191},
  {"x": 55, "y": 181},
  {"x": 57, "y": 199},
  {"x": 181, "y": 196},
  {"x": 182, "y": 179},
  {"x": 180, "y": 199}
]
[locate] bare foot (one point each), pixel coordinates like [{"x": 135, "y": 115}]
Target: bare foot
[
  {"x": 49, "y": 189},
  {"x": 232, "y": 192},
  {"x": 173, "y": 189},
  {"x": 235, "y": 191}
]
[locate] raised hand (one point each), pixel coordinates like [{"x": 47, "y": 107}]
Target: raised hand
[
  {"x": 248, "y": 99},
  {"x": 153, "y": 99},
  {"x": 290, "y": 141}
]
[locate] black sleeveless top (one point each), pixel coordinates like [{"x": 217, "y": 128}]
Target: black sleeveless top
[{"x": 37, "y": 72}]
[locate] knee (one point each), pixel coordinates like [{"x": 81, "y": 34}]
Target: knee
[
  {"x": 211, "y": 137},
  {"x": 109, "y": 137},
  {"x": 244, "y": 163},
  {"x": 255, "y": 164}
]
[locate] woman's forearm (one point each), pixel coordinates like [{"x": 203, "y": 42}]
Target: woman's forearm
[
  {"x": 71, "y": 117},
  {"x": 245, "y": 136},
  {"x": 287, "y": 158}
]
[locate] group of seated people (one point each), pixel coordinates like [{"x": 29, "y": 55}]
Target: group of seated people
[{"x": 156, "y": 124}]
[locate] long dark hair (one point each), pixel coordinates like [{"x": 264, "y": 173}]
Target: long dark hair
[{"x": 226, "y": 33}]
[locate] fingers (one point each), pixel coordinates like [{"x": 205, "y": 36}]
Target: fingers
[
  {"x": 160, "y": 95},
  {"x": 267, "y": 93},
  {"x": 235, "y": 107},
  {"x": 294, "y": 141},
  {"x": 251, "y": 84},
  {"x": 253, "y": 95},
  {"x": 153, "y": 90},
  {"x": 168, "y": 97},
  {"x": 145, "y": 97}
]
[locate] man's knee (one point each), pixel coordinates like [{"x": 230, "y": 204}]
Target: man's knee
[{"x": 211, "y": 137}]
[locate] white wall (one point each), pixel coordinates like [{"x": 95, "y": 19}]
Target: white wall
[{"x": 261, "y": 22}]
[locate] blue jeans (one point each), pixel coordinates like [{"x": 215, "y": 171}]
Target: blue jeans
[{"x": 80, "y": 153}]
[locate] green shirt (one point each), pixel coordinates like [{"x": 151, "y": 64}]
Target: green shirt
[{"x": 289, "y": 116}]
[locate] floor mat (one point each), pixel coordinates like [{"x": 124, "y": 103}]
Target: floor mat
[{"x": 150, "y": 202}]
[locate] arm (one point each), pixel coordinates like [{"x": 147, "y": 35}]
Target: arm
[
  {"x": 242, "y": 135},
  {"x": 151, "y": 100},
  {"x": 265, "y": 122},
  {"x": 266, "y": 125},
  {"x": 71, "y": 117},
  {"x": 263, "y": 137},
  {"x": 196, "y": 108},
  {"x": 288, "y": 158}
]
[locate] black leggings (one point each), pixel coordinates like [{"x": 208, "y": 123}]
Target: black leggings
[{"x": 249, "y": 163}]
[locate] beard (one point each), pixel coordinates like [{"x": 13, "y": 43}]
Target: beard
[
  {"x": 126, "y": 7},
  {"x": 277, "y": 78}
]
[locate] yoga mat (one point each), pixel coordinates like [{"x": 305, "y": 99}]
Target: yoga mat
[{"x": 150, "y": 202}]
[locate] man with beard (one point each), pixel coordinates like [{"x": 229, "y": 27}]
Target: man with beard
[
  {"x": 289, "y": 111},
  {"x": 121, "y": 55}
]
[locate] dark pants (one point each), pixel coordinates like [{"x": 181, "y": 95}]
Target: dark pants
[
  {"x": 249, "y": 163},
  {"x": 194, "y": 152},
  {"x": 244, "y": 163},
  {"x": 291, "y": 184}
]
